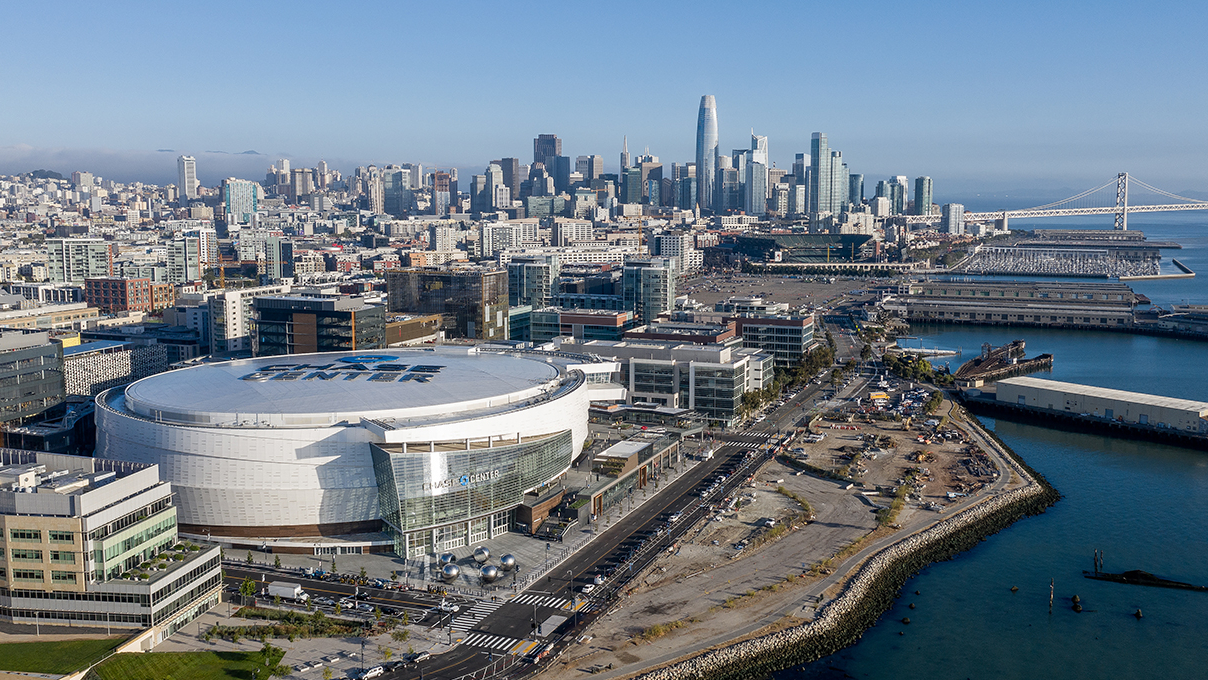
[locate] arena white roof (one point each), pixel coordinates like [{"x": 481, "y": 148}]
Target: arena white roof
[{"x": 320, "y": 389}]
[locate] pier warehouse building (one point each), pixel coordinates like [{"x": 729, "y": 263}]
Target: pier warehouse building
[
  {"x": 436, "y": 447},
  {"x": 1132, "y": 408}
]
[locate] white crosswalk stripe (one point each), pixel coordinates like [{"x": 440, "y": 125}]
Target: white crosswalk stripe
[
  {"x": 467, "y": 620},
  {"x": 541, "y": 601},
  {"x": 496, "y": 642}
]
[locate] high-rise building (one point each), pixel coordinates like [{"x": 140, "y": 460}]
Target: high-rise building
[
  {"x": 82, "y": 181},
  {"x": 706, "y": 151},
  {"x": 756, "y": 185},
  {"x": 185, "y": 260},
  {"x": 240, "y": 199},
  {"x": 801, "y": 164},
  {"x": 442, "y": 238},
  {"x": 895, "y": 192},
  {"x": 727, "y": 193},
  {"x": 624, "y": 154},
  {"x": 545, "y": 146},
  {"x": 952, "y": 218},
  {"x": 71, "y": 260},
  {"x": 397, "y": 197},
  {"x": 442, "y": 193},
  {"x": 498, "y": 196},
  {"x": 841, "y": 181},
  {"x": 533, "y": 280},
  {"x": 855, "y": 188},
  {"x": 631, "y": 185},
  {"x": 303, "y": 324},
  {"x": 821, "y": 193},
  {"x": 186, "y": 168},
  {"x": 648, "y": 287},
  {"x": 922, "y": 196},
  {"x": 511, "y": 174},
  {"x": 559, "y": 167}
]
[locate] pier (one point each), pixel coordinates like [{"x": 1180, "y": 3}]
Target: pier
[{"x": 1000, "y": 362}]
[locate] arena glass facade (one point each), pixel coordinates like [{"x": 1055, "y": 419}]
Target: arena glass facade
[{"x": 434, "y": 501}]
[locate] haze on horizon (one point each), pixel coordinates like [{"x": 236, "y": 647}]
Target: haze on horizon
[{"x": 1029, "y": 97}]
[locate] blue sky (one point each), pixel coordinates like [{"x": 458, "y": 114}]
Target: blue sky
[{"x": 984, "y": 97}]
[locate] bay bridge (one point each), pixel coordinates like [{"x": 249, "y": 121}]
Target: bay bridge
[{"x": 1096, "y": 201}]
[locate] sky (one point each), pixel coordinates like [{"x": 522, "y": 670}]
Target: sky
[{"x": 1013, "y": 99}]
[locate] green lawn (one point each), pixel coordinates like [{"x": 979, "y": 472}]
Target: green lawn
[
  {"x": 61, "y": 657},
  {"x": 183, "y": 666}
]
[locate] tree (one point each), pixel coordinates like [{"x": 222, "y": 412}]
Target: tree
[
  {"x": 362, "y": 572},
  {"x": 339, "y": 608},
  {"x": 249, "y": 557},
  {"x": 406, "y": 617},
  {"x": 310, "y": 605},
  {"x": 276, "y": 600},
  {"x": 247, "y": 588},
  {"x": 327, "y": 673},
  {"x": 401, "y": 635},
  {"x": 377, "y": 614},
  {"x": 385, "y": 652},
  {"x": 866, "y": 352},
  {"x": 277, "y": 561}
]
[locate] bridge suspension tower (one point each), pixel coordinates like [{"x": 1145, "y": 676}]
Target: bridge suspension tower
[{"x": 1122, "y": 201}]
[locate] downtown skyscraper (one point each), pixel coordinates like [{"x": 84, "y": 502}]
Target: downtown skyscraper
[
  {"x": 706, "y": 151},
  {"x": 828, "y": 177},
  {"x": 186, "y": 168},
  {"x": 756, "y": 199}
]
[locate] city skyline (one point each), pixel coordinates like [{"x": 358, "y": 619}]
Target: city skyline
[{"x": 1005, "y": 130}]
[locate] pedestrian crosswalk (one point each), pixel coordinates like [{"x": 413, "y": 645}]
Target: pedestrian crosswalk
[
  {"x": 541, "y": 600},
  {"x": 500, "y": 643},
  {"x": 467, "y": 620}
]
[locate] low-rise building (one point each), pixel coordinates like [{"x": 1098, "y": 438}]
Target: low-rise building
[
  {"x": 113, "y": 294},
  {"x": 1071, "y": 304},
  {"x": 93, "y": 367},
  {"x": 91, "y": 541},
  {"x": 303, "y": 324},
  {"x": 709, "y": 379},
  {"x": 580, "y": 324},
  {"x": 1133, "y": 408}
]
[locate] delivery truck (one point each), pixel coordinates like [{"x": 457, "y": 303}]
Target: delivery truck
[{"x": 286, "y": 591}]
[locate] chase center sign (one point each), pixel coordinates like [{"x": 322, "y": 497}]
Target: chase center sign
[{"x": 372, "y": 367}]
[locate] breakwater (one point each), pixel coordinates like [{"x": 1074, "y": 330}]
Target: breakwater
[{"x": 872, "y": 589}]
